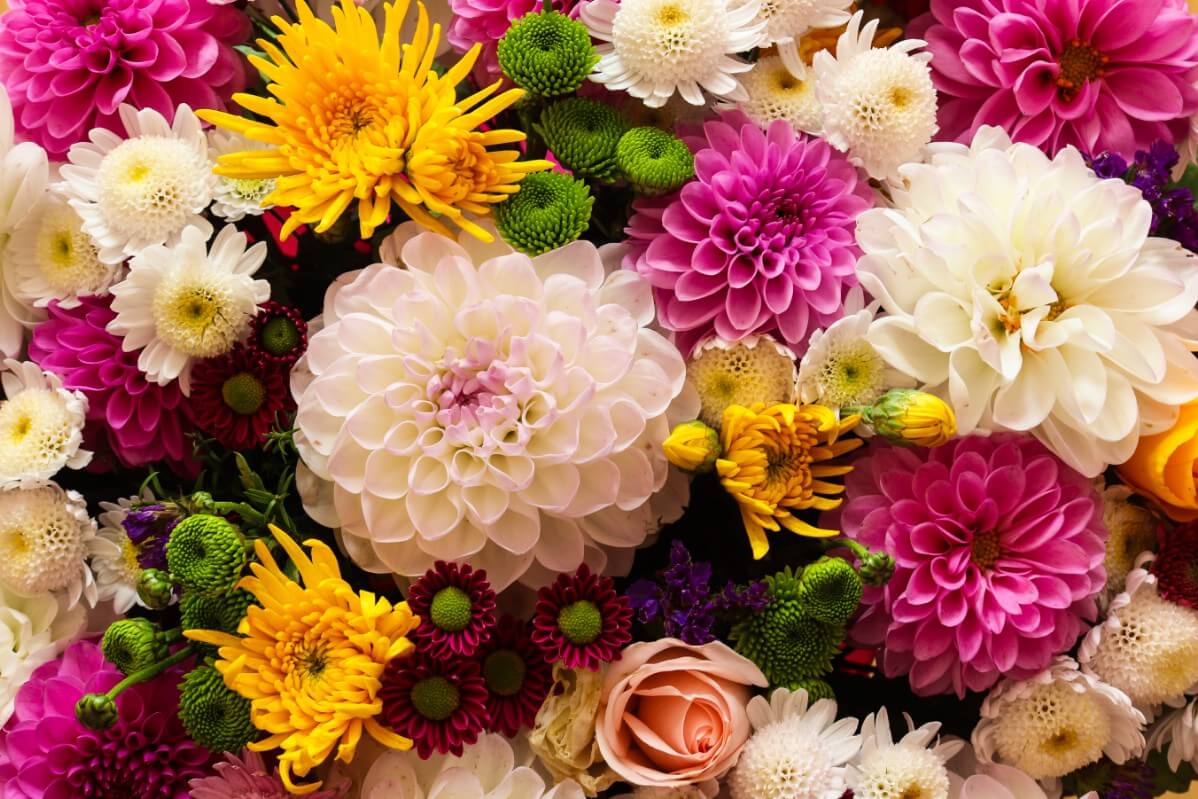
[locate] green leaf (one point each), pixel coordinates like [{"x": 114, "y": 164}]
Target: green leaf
[{"x": 249, "y": 478}]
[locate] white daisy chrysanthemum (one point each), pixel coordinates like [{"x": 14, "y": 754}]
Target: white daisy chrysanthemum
[
  {"x": 1147, "y": 646},
  {"x": 1132, "y": 530},
  {"x": 796, "y": 751},
  {"x": 1056, "y": 722},
  {"x": 1176, "y": 734},
  {"x": 41, "y": 425},
  {"x": 879, "y": 104},
  {"x": 754, "y": 369},
  {"x": 33, "y": 630},
  {"x": 778, "y": 91},
  {"x": 653, "y": 49},
  {"x": 114, "y": 557},
  {"x": 889, "y": 769},
  {"x": 143, "y": 189},
  {"x": 233, "y": 198},
  {"x": 187, "y": 301},
  {"x": 787, "y": 20},
  {"x": 45, "y": 538}
]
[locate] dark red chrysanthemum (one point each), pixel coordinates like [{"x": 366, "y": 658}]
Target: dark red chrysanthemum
[
  {"x": 236, "y": 398},
  {"x": 1176, "y": 565},
  {"x": 517, "y": 676},
  {"x": 456, "y": 607},
  {"x": 580, "y": 620},
  {"x": 278, "y": 334},
  {"x": 440, "y": 704}
]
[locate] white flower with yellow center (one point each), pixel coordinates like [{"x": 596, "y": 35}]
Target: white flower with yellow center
[
  {"x": 778, "y": 91},
  {"x": 653, "y": 49},
  {"x": 114, "y": 557},
  {"x": 186, "y": 301},
  {"x": 33, "y": 631},
  {"x": 787, "y": 20},
  {"x": 144, "y": 189},
  {"x": 1132, "y": 531},
  {"x": 45, "y": 538},
  {"x": 903, "y": 769},
  {"x": 1056, "y": 722},
  {"x": 41, "y": 425},
  {"x": 233, "y": 198},
  {"x": 754, "y": 369},
  {"x": 1176, "y": 734}
]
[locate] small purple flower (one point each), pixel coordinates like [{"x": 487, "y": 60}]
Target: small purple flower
[
  {"x": 148, "y": 528},
  {"x": 1173, "y": 213}
]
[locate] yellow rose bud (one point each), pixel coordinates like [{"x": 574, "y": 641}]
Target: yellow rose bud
[
  {"x": 910, "y": 417},
  {"x": 1162, "y": 467},
  {"x": 693, "y": 447}
]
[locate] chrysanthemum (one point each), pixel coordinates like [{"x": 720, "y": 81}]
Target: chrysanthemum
[
  {"x": 41, "y": 425},
  {"x": 580, "y": 621},
  {"x": 517, "y": 676},
  {"x": 480, "y": 405},
  {"x": 913, "y": 766},
  {"x": 1132, "y": 530},
  {"x": 233, "y": 198},
  {"x": 483, "y": 23},
  {"x": 440, "y": 705},
  {"x": 45, "y": 537},
  {"x": 1176, "y": 733},
  {"x": 1099, "y": 75},
  {"x": 653, "y": 49},
  {"x": 786, "y": 21},
  {"x": 1015, "y": 286},
  {"x": 996, "y": 781},
  {"x": 238, "y": 399},
  {"x": 188, "y": 301},
  {"x": 278, "y": 334},
  {"x": 311, "y": 659},
  {"x": 33, "y": 630},
  {"x": 1057, "y": 721},
  {"x": 247, "y": 777},
  {"x": 114, "y": 558},
  {"x": 23, "y": 174},
  {"x": 761, "y": 241},
  {"x": 776, "y": 91},
  {"x": 754, "y": 369},
  {"x": 142, "y": 189},
  {"x": 998, "y": 550},
  {"x": 1176, "y": 565},
  {"x": 456, "y": 606}
]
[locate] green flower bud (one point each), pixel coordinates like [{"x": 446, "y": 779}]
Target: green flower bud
[
  {"x": 96, "y": 711},
  {"x": 830, "y": 590},
  {"x": 549, "y": 211},
  {"x": 911, "y": 418},
  {"x": 876, "y": 568},
  {"x": 155, "y": 589},
  {"x": 583, "y": 136},
  {"x": 547, "y": 53},
  {"x": 215, "y": 716},
  {"x": 133, "y": 644},
  {"x": 654, "y": 161},
  {"x": 206, "y": 554}
]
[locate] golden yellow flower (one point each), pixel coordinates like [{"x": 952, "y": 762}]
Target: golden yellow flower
[
  {"x": 819, "y": 39},
  {"x": 1164, "y": 466},
  {"x": 775, "y": 462},
  {"x": 910, "y": 417},
  {"x": 352, "y": 117},
  {"x": 692, "y": 447},
  {"x": 311, "y": 659}
]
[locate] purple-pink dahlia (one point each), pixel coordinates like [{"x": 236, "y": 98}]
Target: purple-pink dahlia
[
  {"x": 45, "y": 753},
  {"x": 1100, "y": 75},
  {"x": 247, "y": 777},
  {"x": 762, "y": 240},
  {"x": 69, "y": 64},
  {"x": 998, "y": 549},
  {"x": 145, "y": 422}
]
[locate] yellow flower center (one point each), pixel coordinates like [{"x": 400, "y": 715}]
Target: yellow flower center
[
  {"x": 985, "y": 550},
  {"x": 670, "y": 15}
]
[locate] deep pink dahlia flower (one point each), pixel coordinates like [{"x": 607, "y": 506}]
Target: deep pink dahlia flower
[
  {"x": 1097, "y": 74},
  {"x": 68, "y": 64},
  {"x": 760, "y": 241},
  {"x": 998, "y": 550},
  {"x": 484, "y": 22}
]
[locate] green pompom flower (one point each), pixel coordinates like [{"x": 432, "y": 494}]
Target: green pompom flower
[
  {"x": 205, "y": 554},
  {"x": 583, "y": 136},
  {"x": 215, "y": 716},
  {"x": 548, "y": 54},
  {"x": 133, "y": 644},
  {"x": 816, "y": 689},
  {"x": 830, "y": 590},
  {"x": 654, "y": 161},
  {"x": 221, "y": 612},
  {"x": 549, "y": 211}
]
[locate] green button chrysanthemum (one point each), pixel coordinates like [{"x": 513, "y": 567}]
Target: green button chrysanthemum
[
  {"x": 547, "y": 54},
  {"x": 550, "y": 210},
  {"x": 205, "y": 554},
  {"x": 583, "y": 136},
  {"x": 133, "y": 644},
  {"x": 217, "y": 717},
  {"x": 654, "y": 161}
]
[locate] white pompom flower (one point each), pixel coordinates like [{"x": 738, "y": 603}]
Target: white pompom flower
[
  {"x": 45, "y": 539},
  {"x": 41, "y": 425},
  {"x": 233, "y": 198},
  {"x": 33, "y": 631},
  {"x": 753, "y": 369},
  {"x": 1176, "y": 734},
  {"x": 777, "y": 91},
  {"x": 915, "y": 765}
]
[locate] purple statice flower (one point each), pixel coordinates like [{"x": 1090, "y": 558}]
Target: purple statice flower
[{"x": 1134, "y": 779}]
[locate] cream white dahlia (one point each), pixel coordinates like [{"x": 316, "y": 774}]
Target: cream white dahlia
[
  {"x": 913, "y": 766},
  {"x": 45, "y": 538},
  {"x": 777, "y": 91},
  {"x": 482, "y": 405},
  {"x": 754, "y": 369},
  {"x": 114, "y": 560},
  {"x": 41, "y": 425},
  {"x": 1028, "y": 293},
  {"x": 187, "y": 301},
  {"x": 996, "y": 781},
  {"x": 33, "y": 630},
  {"x": 1176, "y": 734},
  {"x": 233, "y": 198}
]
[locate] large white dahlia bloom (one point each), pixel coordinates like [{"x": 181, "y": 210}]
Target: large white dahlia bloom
[
  {"x": 481, "y": 404},
  {"x": 1028, "y": 292}
]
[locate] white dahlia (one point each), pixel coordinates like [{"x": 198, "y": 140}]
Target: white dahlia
[
  {"x": 879, "y": 104},
  {"x": 1176, "y": 734},
  {"x": 33, "y": 630},
  {"x": 143, "y": 189},
  {"x": 1056, "y": 722},
  {"x": 45, "y": 538},
  {"x": 654, "y": 48},
  {"x": 483, "y": 405},
  {"x": 114, "y": 558},
  {"x": 889, "y": 769},
  {"x": 41, "y": 425},
  {"x": 1028, "y": 293},
  {"x": 186, "y": 301},
  {"x": 233, "y": 198},
  {"x": 754, "y": 369},
  {"x": 777, "y": 91}
]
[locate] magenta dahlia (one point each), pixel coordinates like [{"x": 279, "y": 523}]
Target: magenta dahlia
[
  {"x": 145, "y": 422},
  {"x": 439, "y": 704},
  {"x": 237, "y": 397},
  {"x": 580, "y": 621},
  {"x": 1100, "y": 75},
  {"x": 762, "y": 240},
  {"x": 45, "y": 752},
  {"x": 517, "y": 677},
  {"x": 483, "y": 22},
  {"x": 998, "y": 549},
  {"x": 456, "y": 606}
]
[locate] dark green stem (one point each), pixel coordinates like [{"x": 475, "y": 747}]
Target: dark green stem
[{"x": 150, "y": 672}]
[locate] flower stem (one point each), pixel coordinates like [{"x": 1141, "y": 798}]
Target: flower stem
[{"x": 150, "y": 672}]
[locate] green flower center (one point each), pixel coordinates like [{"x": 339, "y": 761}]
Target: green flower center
[
  {"x": 279, "y": 336},
  {"x": 450, "y": 610},
  {"x": 243, "y": 393},
  {"x": 435, "y": 698},
  {"x": 504, "y": 671},
  {"x": 581, "y": 622}
]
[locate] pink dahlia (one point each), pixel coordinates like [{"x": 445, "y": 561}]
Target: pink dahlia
[
  {"x": 145, "y": 422},
  {"x": 247, "y": 777},
  {"x": 68, "y": 64},
  {"x": 45, "y": 753},
  {"x": 762, "y": 240},
  {"x": 998, "y": 549},
  {"x": 1097, "y": 74},
  {"x": 484, "y": 22}
]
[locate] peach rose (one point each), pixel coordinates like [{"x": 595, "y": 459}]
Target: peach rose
[
  {"x": 1164, "y": 465},
  {"x": 674, "y": 714}
]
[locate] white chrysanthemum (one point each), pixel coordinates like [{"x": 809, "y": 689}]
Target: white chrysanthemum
[
  {"x": 787, "y": 20},
  {"x": 1132, "y": 530},
  {"x": 483, "y": 405},
  {"x": 903, "y": 769},
  {"x": 879, "y": 104},
  {"x": 45, "y": 538},
  {"x": 654, "y": 48},
  {"x": 33, "y": 630},
  {"x": 233, "y": 198},
  {"x": 144, "y": 189},
  {"x": 1147, "y": 646},
  {"x": 1056, "y": 722},
  {"x": 1176, "y": 734},
  {"x": 795, "y": 752},
  {"x": 754, "y": 369},
  {"x": 114, "y": 557},
  {"x": 777, "y": 91},
  {"x": 186, "y": 301},
  {"x": 41, "y": 425},
  {"x": 1029, "y": 294}
]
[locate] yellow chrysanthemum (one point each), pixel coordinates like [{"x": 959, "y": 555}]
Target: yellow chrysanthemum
[
  {"x": 311, "y": 659},
  {"x": 774, "y": 463},
  {"x": 356, "y": 118}
]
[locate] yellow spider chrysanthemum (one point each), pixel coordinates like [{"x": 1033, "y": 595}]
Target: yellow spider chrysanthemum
[
  {"x": 311, "y": 659},
  {"x": 355, "y": 118},
  {"x": 773, "y": 463}
]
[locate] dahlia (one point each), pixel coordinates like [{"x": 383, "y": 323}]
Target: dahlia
[
  {"x": 998, "y": 551},
  {"x": 516, "y": 674},
  {"x": 23, "y": 175},
  {"x": 912, "y": 766},
  {"x": 456, "y": 606},
  {"x": 41, "y": 425},
  {"x": 447, "y": 425},
  {"x": 247, "y": 777},
  {"x": 1028, "y": 292},
  {"x": 715, "y": 265},
  {"x": 1176, "y": 565},
  {"x": 143, "y": 421},
  {"x": 440, "y": 705},
  {"x": 580, "y": 621},
  {"x": 33, "y": 630},
  {"x": 237, "y": 399},
  {"x": 1176, "y": 733},
  {"x": 996, "y": 781},
  {"x": 45, "y": 538},
  {"x": 754, "y": 369},
  {"x": 115, "y": 557},
  {"x": 1099, "y": 75}
]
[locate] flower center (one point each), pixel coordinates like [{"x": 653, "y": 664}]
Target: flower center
[
  {"x": 900, "y": 97},
  {"x": 985, "y": 550},
  {"x": 1060, "y": 742},
  {"x": 504, "y": 671},
  {"x": 243, "y": 393},
  {"x": 450, "y": 609},
  {"x": 1080, "y": 62},
  {"x": 279, "y": 336},
  {"x": 581, "y": 622},
  {"x": 787, "y": 83},
  {"x": 435, "y": 698},
  {"x": 671, "y": 15}
]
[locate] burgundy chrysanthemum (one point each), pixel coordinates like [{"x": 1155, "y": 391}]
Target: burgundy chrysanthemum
[
  {"x": 581, "y": 621},
  {"x": 440, "y": 704},
  {"x": 456, "y": 607},
  {"x": 237, "y": 398},
  {"x": 517, "y": 676},
  {"x": 278, "y": 334},
  {"x": 1176, "y": 565}
]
